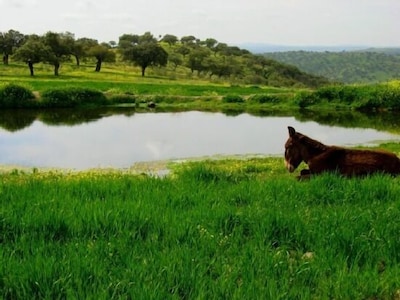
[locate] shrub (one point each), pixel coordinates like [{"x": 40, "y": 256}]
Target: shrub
[
  {"x": 264, "y": 98},
  {"x": 122, "y": 98},
  {"x": 389, "y": 97},
  {"x": 350, "y": 94},
  {"x": 72, "y": 97},
  {"x": 232, "y": 99},
  {"x": 328, "y": 93},
  {"x": 14, "y": 96},
  {"x": 305, "y": 99},
  {"x": 380, "y": 97}
]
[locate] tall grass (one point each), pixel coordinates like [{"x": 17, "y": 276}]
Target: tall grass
[
  {"x": 360, "y": 97},
  {"x": 229, "y": 229}
]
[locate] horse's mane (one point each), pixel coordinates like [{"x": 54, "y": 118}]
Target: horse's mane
[{"x": 315, "y": 145}]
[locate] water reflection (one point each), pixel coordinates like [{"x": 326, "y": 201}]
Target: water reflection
[
  {"x": 14, "y": 120},
  {"x": 120, "y": 137}
]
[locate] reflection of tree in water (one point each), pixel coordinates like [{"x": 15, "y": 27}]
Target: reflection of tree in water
[
  {"x": 14, "y": 120},
  {"x": 17, "y": 119},
  {"x": 72, "y": 117},
  {"x": 386, "y": 121}
]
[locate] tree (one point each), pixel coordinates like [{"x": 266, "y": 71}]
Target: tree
[
  {"x": 9, "y": 42},
  {"x": 32, "y": 52},
  {"x": 220, "y": 47},
  {"x": 169, "y": 39},
  {"x": 183, "y": 50},
  {"x": 143, "y": 51},
  {"x": 80, "y": 48},
  {"x": 210, "y": 43},
  {"x": 102, "y": 53},
  {"x": 126, "y": 41},
  {"x": 58, "y": 49},
  {"x": 176, "y": 59},
  {"x": 112, "y": 44},
  {"x": 218, "y": 67},
  {"x": 188, "y": 40},
  {"x": 197, "y": 58}
]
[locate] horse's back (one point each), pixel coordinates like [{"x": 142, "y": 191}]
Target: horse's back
[{"x": 356, "y": 162}]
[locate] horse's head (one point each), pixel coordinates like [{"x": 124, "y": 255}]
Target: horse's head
[{"x": 293, "y": 150}]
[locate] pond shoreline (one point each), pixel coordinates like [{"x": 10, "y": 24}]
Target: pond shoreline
[{"x": 159, "y": 168}]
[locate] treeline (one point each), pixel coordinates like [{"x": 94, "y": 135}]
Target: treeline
[
  {"x": 369, "y": 66},
  {"x": 204, "y": 58}
]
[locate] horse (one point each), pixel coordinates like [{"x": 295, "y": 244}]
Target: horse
[{"x": 347, "y": 162}]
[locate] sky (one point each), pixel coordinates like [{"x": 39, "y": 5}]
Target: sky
[{"x": 373, "y": 23}]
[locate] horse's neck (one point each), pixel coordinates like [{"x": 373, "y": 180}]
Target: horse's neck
[{"x": 312, "y": 148}]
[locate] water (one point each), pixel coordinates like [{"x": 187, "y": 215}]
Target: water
[{"x": 119, "y": 141}]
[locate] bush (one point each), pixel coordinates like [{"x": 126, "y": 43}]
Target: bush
[
  {"x": 305, "y": 99},
  {"x": 380, "y": 97},
  {"x": 232, "y": 99},
  {"x": 328, "y": 93},
  {"x": 14, "y": 96},
  {"x": 389, "y": 97},
  {"x": 122, "y": 98},
  {"x": 264, "y": 98},
  {"x": 343, "y": 94},
  {"x": 72, "y": 97}
]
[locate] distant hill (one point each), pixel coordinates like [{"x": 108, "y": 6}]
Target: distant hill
[
  {"x": 260, "y": 48},
  {"x": 362, "y": 66},
  {"x": 389, "y": 51}
]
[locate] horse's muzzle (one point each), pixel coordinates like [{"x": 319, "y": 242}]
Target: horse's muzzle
[{"x": 289, "y": 166}]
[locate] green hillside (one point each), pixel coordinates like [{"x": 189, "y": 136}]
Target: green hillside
[
  {"x": 175, "y": 58},
  {"x": 369, "y": 66}
]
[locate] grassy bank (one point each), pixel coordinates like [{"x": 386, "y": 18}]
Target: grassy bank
[
  {"x": 225, "y": 229},
  {"x": 118, "y": 84}
]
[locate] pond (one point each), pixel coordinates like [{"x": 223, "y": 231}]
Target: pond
[{"x": 121, "y": 139}]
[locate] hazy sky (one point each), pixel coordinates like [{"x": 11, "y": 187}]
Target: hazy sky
[{"x": 283, "y": 22}]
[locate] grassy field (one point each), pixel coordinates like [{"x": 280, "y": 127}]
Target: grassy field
[
  {"x": 120, "y": 78},
  {"x": 214, "y": 229},
  {"x": 217, "y": 229},
  {"x": 121, "y": 82}
]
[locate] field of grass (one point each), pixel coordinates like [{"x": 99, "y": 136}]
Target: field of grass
[
  {"x": 120, "y": 78},
  {"x": 194, "y": 92},
  {"x": 218, "y": 229},
  {"x": 121, "y": 83}
]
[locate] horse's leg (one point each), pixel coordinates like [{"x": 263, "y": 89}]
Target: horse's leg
[{"x": 328, "y": 161}]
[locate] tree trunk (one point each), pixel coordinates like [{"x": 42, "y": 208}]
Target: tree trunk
[
  {"x": 5, "y": 59},
  {"x": 30, "y": 65},
  {"x": 78, "y": 63},
  {"x": 56, "y": 67},
  {"x": 143, "y": 71},
  {"x": 98, "y": 66}
]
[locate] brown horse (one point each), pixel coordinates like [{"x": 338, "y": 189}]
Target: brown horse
[{"x": 349, "y": 162}]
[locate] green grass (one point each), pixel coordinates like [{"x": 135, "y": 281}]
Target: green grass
[
  {"x": 202, "y": 93},
  {"x": 116, "y": 78},
  {"x": 219, "y": 229}
]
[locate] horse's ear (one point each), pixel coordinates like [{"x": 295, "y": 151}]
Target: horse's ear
[{"x": 292, "y": 131}]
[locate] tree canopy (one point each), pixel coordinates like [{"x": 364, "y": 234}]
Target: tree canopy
[
  {"x": 9, "y": 41},
  {"x": 102, "y": 53},
  {"x": 144, "y": 51}
]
